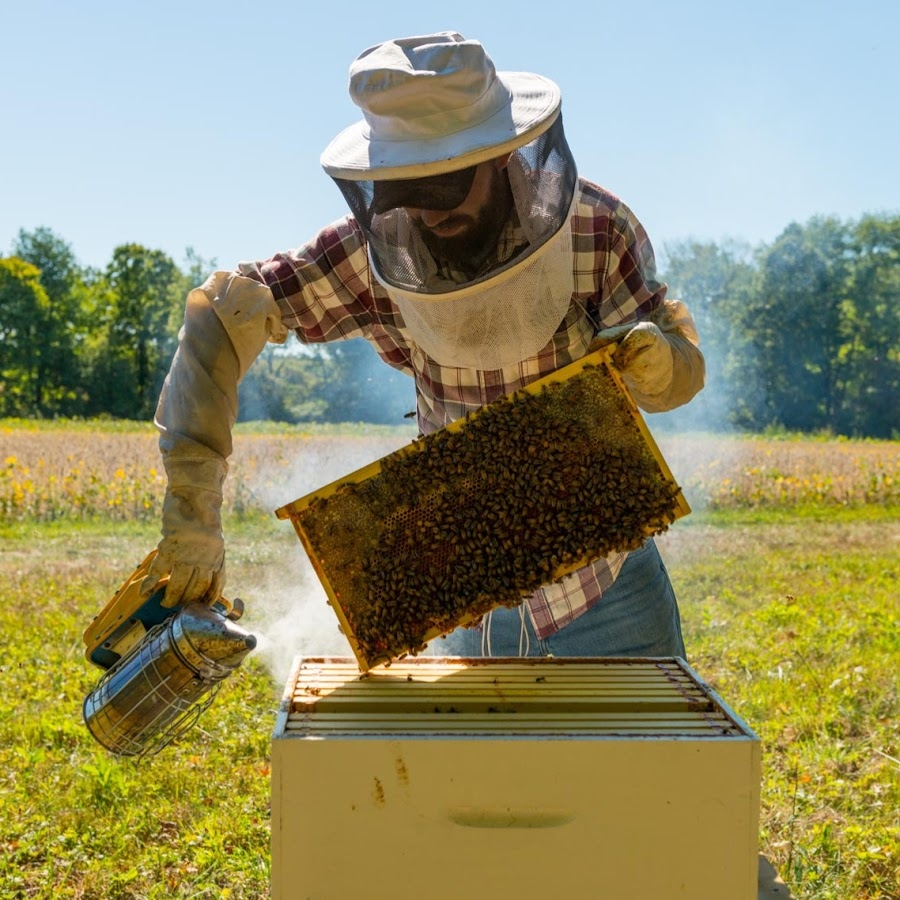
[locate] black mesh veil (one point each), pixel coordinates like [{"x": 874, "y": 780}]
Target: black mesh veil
[{"x": 542, "y": 177}]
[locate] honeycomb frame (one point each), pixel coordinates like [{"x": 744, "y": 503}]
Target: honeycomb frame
[{"x": 479, "y": 514}]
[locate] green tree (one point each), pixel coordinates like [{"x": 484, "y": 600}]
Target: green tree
[
  {"x": 805, "y": 333},
  {"x": 870, "y": 352},
  {"x": 53, "y": 257},
  {"x": 24, "y": 308},
  {"x": 795, "y": 322},
  {"x": 141, "y": 287},
  {"x": 283, "y": 385},
  {"x": 61, "y": 326},
  {"x": 341, "y": 382}
]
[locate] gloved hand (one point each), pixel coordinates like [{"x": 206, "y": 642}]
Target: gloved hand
[
  {"x": 659, "y": 357},
  {"x": 192, "y": 549},
  {"x": 644, "y": 357}
]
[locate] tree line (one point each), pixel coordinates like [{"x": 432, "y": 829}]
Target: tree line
[
  {"x": 802, "y": 334},
  {"x": 82, "y": 342}
]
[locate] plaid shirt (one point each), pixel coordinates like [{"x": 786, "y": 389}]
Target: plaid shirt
[{"x": 326, "y": 292}]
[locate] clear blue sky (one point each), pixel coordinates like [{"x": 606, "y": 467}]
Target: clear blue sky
[{"x": 200, "y": 124}]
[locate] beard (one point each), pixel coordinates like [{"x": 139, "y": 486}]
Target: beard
[{"x": 473, "y": 245}]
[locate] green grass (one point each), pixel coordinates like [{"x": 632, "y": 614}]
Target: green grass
[
  {"x": 792, "y": 617},
  {"x": 76, "y": 822}
]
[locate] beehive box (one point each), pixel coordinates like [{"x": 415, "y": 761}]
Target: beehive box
[
  {"x": 608, "y": 779},
  {"x": 483, "y": 512}
]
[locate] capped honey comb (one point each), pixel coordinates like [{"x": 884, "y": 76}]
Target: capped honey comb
[{"x": 483, "y": 512}]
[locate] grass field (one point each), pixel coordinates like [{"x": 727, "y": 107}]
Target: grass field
[{"x": 788, "y": 574}]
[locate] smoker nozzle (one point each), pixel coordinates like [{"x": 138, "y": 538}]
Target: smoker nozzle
[{"x": 209, "y": 642}]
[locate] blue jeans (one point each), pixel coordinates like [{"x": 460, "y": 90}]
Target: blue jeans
[{"x": 637, "y": 616}]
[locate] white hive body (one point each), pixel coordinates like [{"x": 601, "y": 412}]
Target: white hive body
[{"x": 525, "y": 778}]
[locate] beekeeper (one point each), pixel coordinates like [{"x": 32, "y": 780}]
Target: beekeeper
[{"x": 474, "y": 259}]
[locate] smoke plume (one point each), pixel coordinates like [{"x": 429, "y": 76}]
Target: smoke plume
[{"x": 291, "y": 616}]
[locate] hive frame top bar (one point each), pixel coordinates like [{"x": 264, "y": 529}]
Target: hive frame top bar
[
  {"x": 325, "y": 694},
  {"x": 295, "y": 510}
]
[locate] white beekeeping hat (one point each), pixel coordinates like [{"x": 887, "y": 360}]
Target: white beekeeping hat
[{"x": 433, "y": 104}]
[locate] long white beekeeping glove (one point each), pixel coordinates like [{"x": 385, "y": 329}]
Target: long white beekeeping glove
[
  {"x": 659, "y": 357},
  {"x": 227, "y": 322}
]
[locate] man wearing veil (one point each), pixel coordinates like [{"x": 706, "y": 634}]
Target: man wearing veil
[{"x": 476, "y": 260}]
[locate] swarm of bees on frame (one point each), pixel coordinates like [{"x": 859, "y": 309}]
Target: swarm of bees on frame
[{"x": 465, "y": 520}]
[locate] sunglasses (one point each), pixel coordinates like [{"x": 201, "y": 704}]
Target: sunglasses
[{"x": 434, "y": 192}]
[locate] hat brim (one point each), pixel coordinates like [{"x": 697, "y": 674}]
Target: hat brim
[{"x": 534, "y": 106}]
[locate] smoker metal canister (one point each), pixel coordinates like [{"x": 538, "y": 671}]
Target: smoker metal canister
[{"x": 158, "y": 690}]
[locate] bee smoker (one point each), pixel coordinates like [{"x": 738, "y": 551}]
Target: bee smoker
[{"x": 164, "y": 665}]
